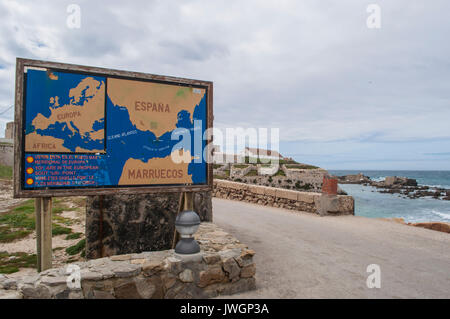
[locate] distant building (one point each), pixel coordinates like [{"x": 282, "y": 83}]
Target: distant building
[
  {"x": 9, "y": 131},
  {"x": 262, "y": 153}
]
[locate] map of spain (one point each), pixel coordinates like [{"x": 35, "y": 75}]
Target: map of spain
[{"x": 67, "y": 116}]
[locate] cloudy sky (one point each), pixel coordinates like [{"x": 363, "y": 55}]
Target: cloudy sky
[{"x": 344, "y": 96}]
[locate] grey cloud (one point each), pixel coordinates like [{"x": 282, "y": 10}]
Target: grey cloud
[{"x": 311, "y": 68}]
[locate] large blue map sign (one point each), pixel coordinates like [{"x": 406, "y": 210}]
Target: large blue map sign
[{"x": 83, "y": 130}]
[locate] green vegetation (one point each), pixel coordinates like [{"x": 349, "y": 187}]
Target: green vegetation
[
  {"x": 73, "y": 236},
  {"x": 254, "y": 160},
  {"x": 240, "y": 166},
  {"x": 75, "y": 249},
  {"x": 306, "y": 186},
  {"x": 219, "y": 177},
  {"x": 10, "y": 263},
  {"x": 253, "y": 172},
  {"x": 20, "y": 221},
  {"x": 60, "y": 230},
  {"x": 280, "y": 173},
  {"x": 216, "y": 166},
  {"x": 7, "y": 235},
  {"x": 62, "y": 220},
  {"x": 6, "y": 172},
  {"x": 27, "y": 207},
  {"x": 301, "y": 166}
]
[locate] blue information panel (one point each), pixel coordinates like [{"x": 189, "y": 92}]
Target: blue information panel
[{"x": 97, "y": 131}]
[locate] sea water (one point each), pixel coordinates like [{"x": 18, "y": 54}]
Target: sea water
[{"x": 371, "y": 203}]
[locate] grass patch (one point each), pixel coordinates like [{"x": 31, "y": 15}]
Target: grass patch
[
  {"x": 19, "y": 260},
  {"x": 216, "y": 166},
  {"x": 19, "y": 218},
  {"x": 280, "y": 173},
  {"x": 6, "y": 172},
  {"x": 301, "y": 166},
  {"x": 60, "y": 230},
  {"x": 73, "y": 236},
  {"x": 254, "y": 160},
  {"x": 7, "y": 235},
  {"x": 21, "y": 221},
  {"x": 18, "y": 223},
  {"x": 253, "y": 172},
  {"x": 240, "y": 166},
  {"x": 75, "y": 249},
  {"x": 62, "y": 220},
  {"x": 27, "y": 207},
  {"x": 219, "y": 177}
]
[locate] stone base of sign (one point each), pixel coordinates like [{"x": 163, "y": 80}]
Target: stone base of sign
[
  {"x": 223, "y": 267},
  {"x": 136, "y": 223}
]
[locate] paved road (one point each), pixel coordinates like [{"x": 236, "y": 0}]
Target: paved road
[{"x": 301, "y": 255}]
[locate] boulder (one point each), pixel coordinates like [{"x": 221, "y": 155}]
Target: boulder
[
  {"x": 438, "y": 226},
  {"x": 136, "y": 223},
  {"x": 402, "y": 181}
]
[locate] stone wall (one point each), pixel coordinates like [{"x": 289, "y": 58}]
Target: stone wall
[
  {"x": 283, "y": 198},
  {"x": 310, "y": 176},
  {"x": 223, "y": 267},
  {"x": 136, "y": 223},
  {"x": 240, "y": 172},
  {"x": 6, "y": 153},
  {"x": 307, "y": 180},
  {"x": 268, "y": 170}
]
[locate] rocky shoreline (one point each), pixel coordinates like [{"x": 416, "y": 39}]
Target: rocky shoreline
[{"x": 405, "y": 187}]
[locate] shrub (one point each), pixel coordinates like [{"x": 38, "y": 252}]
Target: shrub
[{"x": 75, "y": 249}]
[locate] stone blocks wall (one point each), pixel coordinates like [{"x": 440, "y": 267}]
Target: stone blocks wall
[
  {"x": 283, "y": 198},
  {"x": 136, "y": 223},
  {"x": 224, "y": 267},
  {"x": 6, "y": 154}
]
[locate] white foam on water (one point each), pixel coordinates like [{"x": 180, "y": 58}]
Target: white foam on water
[
  {"x": 440, "y": 214},
  {"x": 437, "y": 186}
]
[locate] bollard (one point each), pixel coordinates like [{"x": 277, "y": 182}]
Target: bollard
[{"x": 329, "y": 185}]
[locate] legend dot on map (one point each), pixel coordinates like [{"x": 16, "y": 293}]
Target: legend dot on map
[
  {"x": 30, "y": 170},
  {"x": 30, "y": 181},
  {"x": 30, "y": 159}
]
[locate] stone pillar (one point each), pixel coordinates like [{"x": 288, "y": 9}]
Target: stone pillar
[
  {"x": 329, "y": 186},
  {"x": 135, "y": 223}
]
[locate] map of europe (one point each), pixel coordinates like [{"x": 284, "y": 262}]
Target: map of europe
[{"x": 86, "y": 130}]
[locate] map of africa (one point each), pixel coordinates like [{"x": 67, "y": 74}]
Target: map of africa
[{"x": 128, "y": 126}]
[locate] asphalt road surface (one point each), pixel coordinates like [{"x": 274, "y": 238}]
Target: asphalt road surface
[{"x": 302, "y": 255}]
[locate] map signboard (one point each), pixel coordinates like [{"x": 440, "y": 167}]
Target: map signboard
[{"x": 86, "y": 131}]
